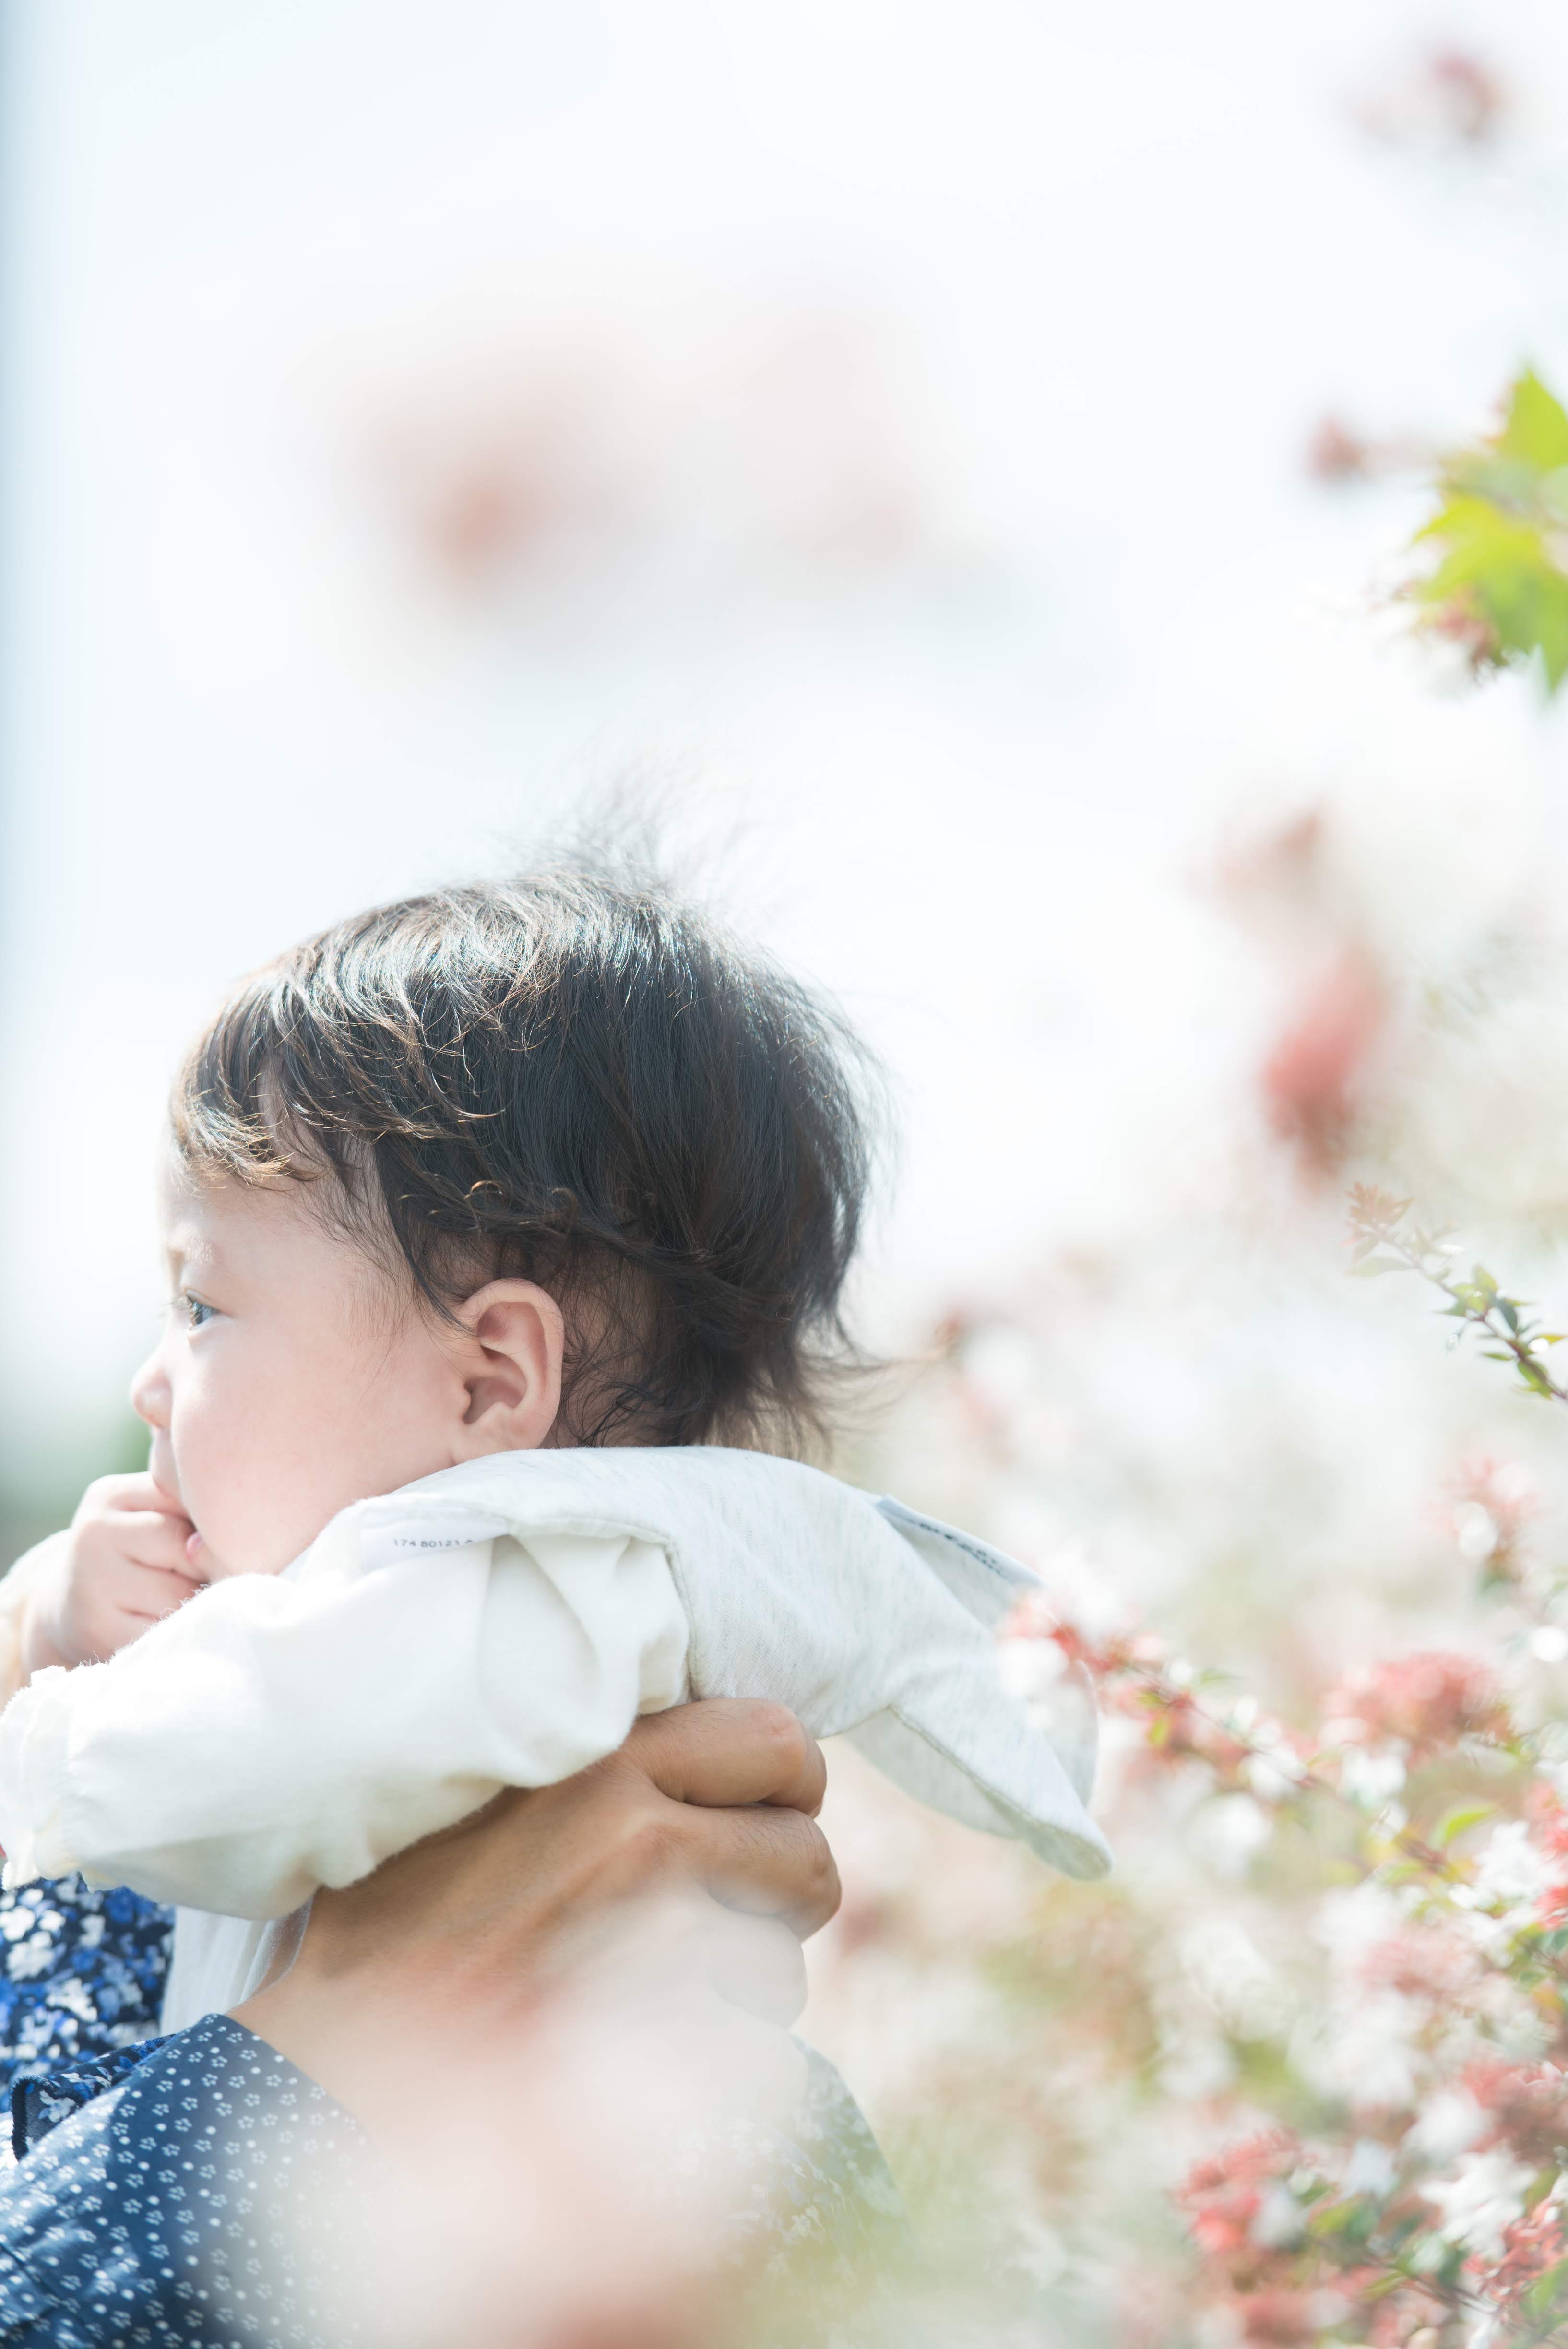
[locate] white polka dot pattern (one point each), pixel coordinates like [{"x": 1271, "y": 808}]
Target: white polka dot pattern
[{"x": 194, "y": 2203}]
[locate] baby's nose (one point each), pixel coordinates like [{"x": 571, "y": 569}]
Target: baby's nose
[{"x": 149, "y": 1393}]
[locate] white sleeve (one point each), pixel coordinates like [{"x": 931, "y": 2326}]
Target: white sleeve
[
  {"x": 277, "y": 1734},
  {"x": 16, "y": 1589}
]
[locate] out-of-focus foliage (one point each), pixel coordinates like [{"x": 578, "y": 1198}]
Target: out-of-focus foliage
[
  {"x": 1498, "y": 584},
  {"x": 1299, "y": 2075},
  {"x": 1433, "y": 2205},
  {"x": 1385, "y": 1242}
]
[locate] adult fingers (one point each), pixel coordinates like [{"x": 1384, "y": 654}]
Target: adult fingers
[
  {"x": 725, "y": 1751},
  {"x": 766, "y": 1862}
]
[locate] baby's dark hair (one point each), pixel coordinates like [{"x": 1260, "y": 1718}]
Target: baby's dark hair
[{"x": 574, "y": 1079}]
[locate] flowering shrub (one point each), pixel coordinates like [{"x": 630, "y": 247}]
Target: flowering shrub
[
  {"x": 1298, "y": 2073},
  {"x": 1434, "y": 2195}
]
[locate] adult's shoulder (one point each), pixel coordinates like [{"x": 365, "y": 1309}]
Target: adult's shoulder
[{"x": 211, "y": 2169}]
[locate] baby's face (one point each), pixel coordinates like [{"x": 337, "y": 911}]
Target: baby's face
[{"x": 292, "y": 1376}]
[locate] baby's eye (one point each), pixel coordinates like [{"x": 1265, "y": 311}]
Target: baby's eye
[{"x": 194, "y": 1309}]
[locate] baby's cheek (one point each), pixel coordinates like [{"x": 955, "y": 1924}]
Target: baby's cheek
[
  {"x": 239, "y": 1494},
  {"x": 229, "y": 1519}
]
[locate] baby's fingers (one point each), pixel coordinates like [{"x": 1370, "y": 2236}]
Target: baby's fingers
[
  {"x": 148, "y": 1593},
  {"x": 120, "y": 1608},
  {"x": 135, "y": 1489},
  {"x": 142, "y": 1539},
  {"x": 107, "y": 1495}
]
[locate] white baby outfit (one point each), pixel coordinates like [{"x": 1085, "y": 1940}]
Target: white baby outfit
[{"x": 503, "y": 1623}]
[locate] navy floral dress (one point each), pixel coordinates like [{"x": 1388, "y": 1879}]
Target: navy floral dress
[
  {"x": 188, "y": 2190},
  {"x": 81, "y": 1974}
]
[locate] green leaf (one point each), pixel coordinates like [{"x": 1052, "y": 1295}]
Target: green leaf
[
  {"x": 1546, "y": 2291},
  {"x": 1547, "y": 628},
  {"x": 1454, "y": 1822},
  {"x": 1536, "y": 1379},
  {"x": 1535, "y": 430},
  {"x": 1472, "y": 526},
  {"x": 1499, "y": 538},
  {"x": 1371, "y": 1268},
  {"x": 1510, "y": 1312}
]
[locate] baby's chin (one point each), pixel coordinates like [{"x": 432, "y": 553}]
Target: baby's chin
[
  {"x": 203, "y": 1562},
  {"x": 240, "y": 1539},
  {"x": 206, "y": 1563}
]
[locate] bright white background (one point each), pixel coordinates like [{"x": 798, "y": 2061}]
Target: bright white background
[{"x": 919, "y": 396}]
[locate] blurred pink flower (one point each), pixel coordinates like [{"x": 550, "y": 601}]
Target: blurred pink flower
[
  {"x": 1489, "y": 1506},
  {"x": 1277, "y": 2319},
  {"x": 1427, "y": 1702},
  {"x": 1224, "y": 2198},
  {"x": 1421, "y": 1962},
  {"x": 1548, "y": 1823},
  {"x": 1530, "y": 2247},
  {"x": 1336, "y": 453},
  {"x": 1525, "y": 2107},
  {"x": 1474, "y": 98},
  {"x": 1310, "y": 1079},
  {"x": 1447, "y": 99}
]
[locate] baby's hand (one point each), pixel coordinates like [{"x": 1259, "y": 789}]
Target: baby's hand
[{"x": 122, "y": 1568}]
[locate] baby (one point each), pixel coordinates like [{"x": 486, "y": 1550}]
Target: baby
[{"x": 505, "y": 1225}]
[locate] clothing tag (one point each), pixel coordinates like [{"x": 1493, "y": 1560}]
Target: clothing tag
[{"x": 389, "y": 1545}]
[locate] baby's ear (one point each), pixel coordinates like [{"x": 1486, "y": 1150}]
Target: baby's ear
[{"x": 514, "y": 1339}]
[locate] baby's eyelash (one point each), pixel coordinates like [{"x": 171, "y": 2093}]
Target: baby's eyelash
[{"x": 196, "y": 1310}]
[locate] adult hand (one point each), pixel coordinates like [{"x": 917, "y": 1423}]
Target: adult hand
[
  {"x": 707, "y": 1813},
  {"x": 560, "y": 2020}
]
